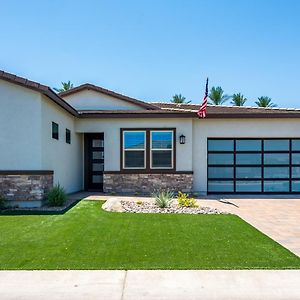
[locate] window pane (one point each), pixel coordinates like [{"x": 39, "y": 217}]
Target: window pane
[
  {"x": 248, "y": 186},
  {"x": 248, "y": 159},
  {"x": 246, "y": 172},
  {"x": 220, "y": 172},
  {"x": 55, "y": 130},
  {"x": 134, "y": 140},
  {"x": 248, "y": 145},
  {"x": 276, "y": 158},
  {"x": 296, "y": 186},
  {"x": 276, "y": 145},
  {"x": 161, "y": 159},
  {"x": 98, "y": 167},
  {"x": 161, "y": 140},
  {"x": 220, "y": 159},
  {"x": 295, "y": 145},
  {"x": 220, "y": 145},
  {"x": 97, "y": 143},
  {"x": 98, "y": 155},
  {"x": 134, "y": 159},
  {"x": 97, "y": 179},
  {"x": 296, "y": 158},
  {"x": 276, "y": 186},
  {"x": 276, "y": 172},
  {"x": 295, "y": 172},
  {"x": 220, "y": 186},
  {"x": 68, "y": 136}
]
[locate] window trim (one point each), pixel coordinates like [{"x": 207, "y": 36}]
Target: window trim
[
  {"x": 147, "y": 168},
  {"x": 124, "y": 150},
  {"x": 160, "y": 149},
  {"x": 55, "y": 124}
]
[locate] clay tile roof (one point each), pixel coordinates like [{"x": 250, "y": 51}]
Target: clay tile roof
[
  {"x": 88, "y": 86},
  {"x": 43, "y": 89}
]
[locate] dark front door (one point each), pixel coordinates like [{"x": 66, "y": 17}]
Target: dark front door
[{"x": 94, "y": 161}]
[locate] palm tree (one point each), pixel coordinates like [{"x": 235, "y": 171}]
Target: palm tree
[
  {"x": 238, "y": 99},
  {"x": 179, "y": 99},
  {"x": 217, "y": 96},
  {"x": 265, "y": 101},
  {"x": 65, "y": 87}
]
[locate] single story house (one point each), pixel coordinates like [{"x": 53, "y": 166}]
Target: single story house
[{"x": 91, "y": 138}]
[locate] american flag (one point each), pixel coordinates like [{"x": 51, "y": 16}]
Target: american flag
[{"x": 202, "y": 110}]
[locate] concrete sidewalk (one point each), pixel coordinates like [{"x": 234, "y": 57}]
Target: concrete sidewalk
[{"x": 252, "y": 284}]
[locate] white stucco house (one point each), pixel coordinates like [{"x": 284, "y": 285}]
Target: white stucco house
[{"x": 90, "y": 138}]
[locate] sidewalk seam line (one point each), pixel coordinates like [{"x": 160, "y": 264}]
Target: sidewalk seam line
[{"x": 124, "y": 285}]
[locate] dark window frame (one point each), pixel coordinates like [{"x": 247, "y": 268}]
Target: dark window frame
[
  {"x": 68, "y": 136},
  {"x": 147, "y": 168},
  {"x": 55, "y": 135},
  {"x": 290, "y": 165}
]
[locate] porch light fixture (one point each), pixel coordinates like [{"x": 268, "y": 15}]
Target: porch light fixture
[{"x": 182, "y": 139}]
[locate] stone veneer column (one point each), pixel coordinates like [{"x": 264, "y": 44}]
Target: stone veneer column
[
  {"x": 147, "y": 183},
  {"x": 25, "y": 188}
]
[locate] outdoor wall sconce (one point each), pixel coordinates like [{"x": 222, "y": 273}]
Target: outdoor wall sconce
[{"x": 182, "y": 139}]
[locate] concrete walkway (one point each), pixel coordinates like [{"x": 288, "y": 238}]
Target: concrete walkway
[{"x": 146, "y": 285}]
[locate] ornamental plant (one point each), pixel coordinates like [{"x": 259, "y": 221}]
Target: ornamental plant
[
  {"x": 57, "y": 196},
  {"x": 163, "y": 199},
  {"x": 185, "y": 201}
]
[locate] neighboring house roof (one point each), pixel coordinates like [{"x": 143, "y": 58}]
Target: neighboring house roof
[
  {"x": 88, "y": 86},
  {"x": 151, "y": 110},
  {"x": 223, "y": 111},
  {"x": 43, "y": 89}
]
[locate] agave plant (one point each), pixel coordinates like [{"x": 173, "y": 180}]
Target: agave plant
[{"x": 163, "y": 199}]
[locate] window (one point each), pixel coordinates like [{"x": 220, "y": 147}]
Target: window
[
  {"x": 148, "y": 149},
  {"x": 68, "y": 136},
  {"x": 134, "y": 149},
  {"x": 161, "y": 149},
  {"x": 55, "y": 131}
]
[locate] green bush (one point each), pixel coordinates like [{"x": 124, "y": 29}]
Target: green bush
[
  {"x": 185, "y": 201},
  {"x": 2, "y": 202},
  {"x": 57, "y": 196},
  {"x": 163, "y": 198}
]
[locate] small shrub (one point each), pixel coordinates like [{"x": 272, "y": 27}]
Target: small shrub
[
  {"x": 185, "y": 201},
  {"x": 136, "y": 193},
  {"x": 2, "y": 202},
  {"x": 163, "y": 199},
  {"x": 57, "y": 196},
  {"x": 139, "y": 202}
]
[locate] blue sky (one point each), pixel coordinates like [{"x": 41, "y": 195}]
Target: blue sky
[{"x": 153, "y": 49}]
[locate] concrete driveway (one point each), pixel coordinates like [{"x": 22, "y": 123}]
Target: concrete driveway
[{"x": 279, "y": 217}]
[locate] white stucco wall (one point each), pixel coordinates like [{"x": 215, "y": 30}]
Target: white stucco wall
[
  {"x": 90, "y": 100},
  {"x": 66, "y": 160},
  {"x": 20, "y": 130},
  {"x": 111, "y": 129},
  {"x": 251, "y": 128}
]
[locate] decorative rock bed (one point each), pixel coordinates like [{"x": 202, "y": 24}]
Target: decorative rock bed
[{"x": 147, "y": 207}]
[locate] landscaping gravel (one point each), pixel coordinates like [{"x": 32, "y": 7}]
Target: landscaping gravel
[{"x": 147, "y": 207}]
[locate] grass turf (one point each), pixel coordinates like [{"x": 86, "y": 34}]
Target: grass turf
[{"x": 87, "y": 237}]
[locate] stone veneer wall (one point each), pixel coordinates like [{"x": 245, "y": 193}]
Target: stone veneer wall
[
  {"x": 147, "y": 183},
  {"x": 19, "y": 187}
]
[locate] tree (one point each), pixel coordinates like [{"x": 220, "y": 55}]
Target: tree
[
  {"x": 238, "y": 99},
  {"x": 265, "y": 101},
  {"x": 65, "y": 87},
  {"x": 179, "y": 99},
  {"x": 217, "y": 96}
]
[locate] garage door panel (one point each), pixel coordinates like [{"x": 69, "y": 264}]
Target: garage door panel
[{"x": 254, "y": 165}]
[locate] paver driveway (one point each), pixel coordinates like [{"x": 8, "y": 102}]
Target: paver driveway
[{"x": 278, "y": 218}]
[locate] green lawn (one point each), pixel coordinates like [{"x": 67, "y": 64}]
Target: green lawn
[{"x": 87, "y": 237}]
